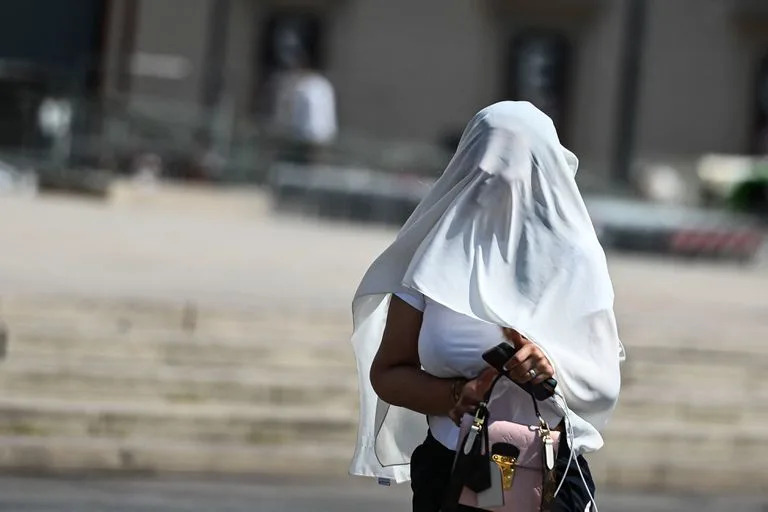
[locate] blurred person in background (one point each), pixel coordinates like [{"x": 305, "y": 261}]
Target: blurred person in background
[
  {"x": 208, "y": 163},
  {"x": 304, "y": 103},
  {"x": 147, "y": 170},
  {"x": 502, "y": 248}
]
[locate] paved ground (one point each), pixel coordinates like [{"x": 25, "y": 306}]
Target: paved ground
[
  {"x": 65, "y": 246},
  {"x": 189, "y": 495}
]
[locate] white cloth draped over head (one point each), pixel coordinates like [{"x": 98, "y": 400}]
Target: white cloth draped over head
[{"x": 503, "y": 236}]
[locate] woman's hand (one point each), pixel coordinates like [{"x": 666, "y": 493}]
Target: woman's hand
[
  {"x": 528, "y": 357},
  {"x": 472, "y": 394}
]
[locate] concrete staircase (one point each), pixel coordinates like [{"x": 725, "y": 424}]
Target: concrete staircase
[
  {"x": 689, "y": 421},
  {"x": 95, "y": 385},
  {"x": 151, "y": 387}
]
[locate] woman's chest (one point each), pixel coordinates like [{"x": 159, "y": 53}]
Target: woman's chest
[{"x": 451, "y": 344}]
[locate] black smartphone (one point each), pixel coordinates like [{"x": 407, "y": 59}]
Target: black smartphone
[{"x": 498, "y": 356}]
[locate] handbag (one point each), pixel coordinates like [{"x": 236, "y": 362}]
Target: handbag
[{"x": 503, "y": 466}]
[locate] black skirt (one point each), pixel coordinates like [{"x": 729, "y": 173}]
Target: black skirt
[{"x": 431, "y": 464}]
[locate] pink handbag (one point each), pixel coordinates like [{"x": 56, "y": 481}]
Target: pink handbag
[{"x": 503, "y": 466}]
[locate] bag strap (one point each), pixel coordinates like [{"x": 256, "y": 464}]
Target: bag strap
[
  {"x": 542, "y": 422},
  {"x": 487, "y": 400}
]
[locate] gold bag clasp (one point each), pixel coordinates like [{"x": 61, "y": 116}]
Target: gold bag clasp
[{"x": 506, "y": 465}]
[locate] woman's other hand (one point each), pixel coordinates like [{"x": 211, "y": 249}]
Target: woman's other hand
[
  {"x": 528, "y": 357},
  {"x": 472, "y": 394}
]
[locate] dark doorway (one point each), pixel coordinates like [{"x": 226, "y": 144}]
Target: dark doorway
[
  {"x": 64, "y": 38},
  {"x": 760, "y": 124},
  {"x": 537, "y": 71},
  {"x": 47, "y": 48}
]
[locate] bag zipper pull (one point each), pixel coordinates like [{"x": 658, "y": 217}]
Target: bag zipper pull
[{"x": 549, "y": 451}]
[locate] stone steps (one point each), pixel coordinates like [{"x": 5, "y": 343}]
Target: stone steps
[
  {"x": 97, "y": 385},
  {"x": 109, "y": 338},
  {"x": 102, "y": 334},
  {"x": 741, "y": 385},
  {"x": 40, "y": 340},
  {"x": 663, "y": 454},
  {"x": 691, "y": 414},
  {"x": 244, "y": 425},
  {"x": 200, "y": 371},
  {"x": 147, "y": 320},
  {"x": 662, "y": 458},
  {"x": 328, "y": 356},
  {"x": 122, "y": 380},
  {"x": 728, "y": 388},
  {"x": 267, "y": 342},
  {"x": 722, "y": 396},
  {"x": 122, "y": 316},
  {"x": 56, "y": 454}
]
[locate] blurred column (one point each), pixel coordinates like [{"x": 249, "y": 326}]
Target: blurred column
[
  {"x": 238, "y": 61},
  {"x": 127, "y": 37},
  {"x": 215, "y": 57},
  {"x": 120, "y": 38},
  {"x": 218, "y": 112},
  {"x": 629, "y": 88}
]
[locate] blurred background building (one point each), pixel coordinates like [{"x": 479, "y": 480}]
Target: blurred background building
[
  {"x": 422, "y": 75},
  {"x": 647, "y": 81}
]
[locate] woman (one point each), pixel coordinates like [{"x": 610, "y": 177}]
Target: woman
[{"x": 501, "y": 247}]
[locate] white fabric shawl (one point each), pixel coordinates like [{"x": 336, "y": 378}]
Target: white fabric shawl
[{"x": 503, "y": 236}]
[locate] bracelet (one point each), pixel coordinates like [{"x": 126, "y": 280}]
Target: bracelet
[{"x": 457, "y": 386}]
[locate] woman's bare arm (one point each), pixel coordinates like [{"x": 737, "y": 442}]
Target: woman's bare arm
[{"x": 396, "y": 373}]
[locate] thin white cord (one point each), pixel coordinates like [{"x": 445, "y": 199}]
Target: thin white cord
[
  {"x": 570, "y": 437},
  {"x": 586, "y": 487}
]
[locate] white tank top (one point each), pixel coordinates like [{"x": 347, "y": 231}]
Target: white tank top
[{"x": 451, "y": 345}]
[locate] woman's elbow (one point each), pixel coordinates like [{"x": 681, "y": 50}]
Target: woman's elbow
[
  {"x": 377, "y": 376},
  {"x": 381, "y": 377}
]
